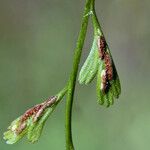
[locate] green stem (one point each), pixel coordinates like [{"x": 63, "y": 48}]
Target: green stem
[
  {"x": 72, "y": 80},
  {"x": 62, "y": 93},
  {"x": 96, "y": 24}
]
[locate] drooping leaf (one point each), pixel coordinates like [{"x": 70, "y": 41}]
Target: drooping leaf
[
  {"x": 100, "y": 62},
  {"x": 31, "y": 122}
]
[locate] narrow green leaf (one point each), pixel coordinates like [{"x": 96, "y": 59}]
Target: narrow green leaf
[{"x": 90, "y": 67}]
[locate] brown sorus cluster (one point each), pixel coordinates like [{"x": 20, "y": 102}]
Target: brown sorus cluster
[
  {"x": 107, "y": 76},
  {"x": 49, "y": 102},
  {"x": 103, "y": 54},
  {"x": 35, "y": 112},
  {"x": 108, "y": 65},
  {"x": 30, "y": 112},
  {"x": 101, "y": 46}
]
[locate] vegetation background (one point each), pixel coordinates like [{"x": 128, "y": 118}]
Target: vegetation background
[{"x": 37, "y": 41}]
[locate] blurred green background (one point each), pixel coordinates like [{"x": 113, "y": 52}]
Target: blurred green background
[{"x": 37, "y": 41}]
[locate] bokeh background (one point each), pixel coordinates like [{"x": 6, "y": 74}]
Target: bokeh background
[{"x": 37, "y": 41}]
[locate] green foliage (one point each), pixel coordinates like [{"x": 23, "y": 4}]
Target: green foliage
[
  {"x": 98, "y": 63},
  {"x": 95, "y": 65},
  {"x": 31, "y": 122},
  {"x": 32, "y": 129},
  {"x": 90, "y": 67}
]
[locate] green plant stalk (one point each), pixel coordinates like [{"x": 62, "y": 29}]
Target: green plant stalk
[
  {"x": 72, "y": 79},
  {"x": 96, "y": 25}
]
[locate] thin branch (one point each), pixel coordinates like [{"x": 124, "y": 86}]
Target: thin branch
[{"x": 72, "y": 80}]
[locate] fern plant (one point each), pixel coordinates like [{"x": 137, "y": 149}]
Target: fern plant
[{"x": 99, "y": 64}]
